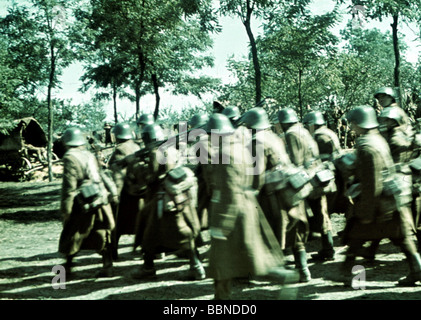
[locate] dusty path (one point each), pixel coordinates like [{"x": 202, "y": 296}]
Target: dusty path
[{"x": 29, "y": 232}]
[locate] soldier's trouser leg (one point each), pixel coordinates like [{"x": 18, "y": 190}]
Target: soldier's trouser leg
[
  {"x": 300, "y": 257},
  {"x": 196, "y": 272},
  {"x": 327, "y": 252},
  {"x": 107, "y": 262},
  {"x": 69, "y": 263},
  {"x": 372, "y": 249},
  {"x": 355, "y": 246},
  {"x": 418, "y": 235},
  {"x": 222, "y": 289},
  {"x": 414, "y": 261},
  {"x": 147, "y": 270}
]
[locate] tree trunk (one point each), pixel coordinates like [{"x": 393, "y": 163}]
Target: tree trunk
[
  {"x": 115, "y": 103},
  {"x": 300, "y": 98},
  {"x": 142, "y": 64},
  {"x": 256, "y": 64},
  {"x": 397, "y": 82},
  {"x": 50, "y": 115},
  {"x": 137, "y": 97},
  {"x": 157, "y": 97}
]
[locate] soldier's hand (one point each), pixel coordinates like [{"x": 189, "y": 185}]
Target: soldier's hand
[{"x": 114, "y": 199}]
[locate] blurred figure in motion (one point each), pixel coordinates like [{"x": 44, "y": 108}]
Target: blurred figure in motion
[
  {"x": 88, "y": 220},
  {"x": 378, "y": 211}
]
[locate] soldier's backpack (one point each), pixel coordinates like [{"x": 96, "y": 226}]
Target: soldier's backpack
[
  {"x": 92, "y": 193},
  {"x": 180, "y": 189},
  {"x": 397, "y": 192},
  {"x": 322, "y": 180},
  {"x": 292, "y": 184}
]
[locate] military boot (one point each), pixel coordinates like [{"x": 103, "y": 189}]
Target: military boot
[
  {"x": 414, "y": 262},
  {"x": 107, "y": 264},
  {"x": 68, "y": 265},
  {"x": 147, "y": 270},
  {"x": 196, "y": 272},
  {"x": 300, "y": 257},
  {"x": 222, "y": 289},
  {"x": 328, "y": 252},
  {"x": 346, "y": 269}
]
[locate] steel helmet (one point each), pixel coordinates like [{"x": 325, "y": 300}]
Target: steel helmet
[
  {"x": 287, "y": 115},
  {"x": 220, "y": 124},
  {"x": 198, "y": 120},
  {"x": 393, "y": 113},
  {"x": 74, "y": 137},
  {"x": 314, "y": 117},
  {"x": 363, "y": 116},
  {"x": 152, "y": 132},
  {"x": 232, "y": 112},
  {"x": 145, "y": 119},
  {"x": 387, "y": 90},
  {"x": 123, "y": 131},
  {"x": 256, "y": 118}
]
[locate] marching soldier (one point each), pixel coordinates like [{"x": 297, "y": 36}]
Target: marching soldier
[
  {"x": 233, "y": 113},
  {"x": 242, "y": 243},
  {"x": 403, "y": 149},
  {"x": 270, "y": 152},
  {"x": 388, "y": 97},
  {"x": 126, "y": 213},
  {"x": 144, "y": 120},
  {"x": 329, "y": 146},
  {"x": 375, "y": 215},
  {"x": 302, "y": 151},
  {"x": 86, "y": 225},
  {"x": 196, "y": 126},
  {"x": 165, "y": 224}
]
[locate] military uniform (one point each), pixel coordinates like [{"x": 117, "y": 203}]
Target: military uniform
[
  {"x": 403, "y": 149},
  {"x": 126, "y": 214},
  {"x": 81, "y": 230},
  {"x": 162, "y": 229},
  {"x": 370, "y": 218},
  {"x": 242, "y": 242},
  {"x": 328, "y": 147}
]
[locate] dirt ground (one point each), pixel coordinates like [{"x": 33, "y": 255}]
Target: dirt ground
[{"x": 30, "y": 227}]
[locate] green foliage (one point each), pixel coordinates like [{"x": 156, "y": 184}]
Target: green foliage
[{"x": 138, "y": 45}]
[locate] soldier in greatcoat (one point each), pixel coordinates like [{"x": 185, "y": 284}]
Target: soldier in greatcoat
[
  {"x": 303, "y": 152},
  {"x": 375, "y": 215},
  {"x": 242, "y": 242},
  {"x": 329, "y": 146},
  {"x": 127, "y": 211},
  {"x": 403, "y": 150},
  {"x": 269, "y": 151},
  {"x": 82, "y": 230},
  {"x": 163, "y": 228}
]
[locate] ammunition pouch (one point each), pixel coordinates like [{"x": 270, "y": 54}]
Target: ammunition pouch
[
  {"x": 180, "y": 189},
  {"x": 397, "y": 192},
  {"x": 91, "y": 196},
  {"x": 290, "y": 183},
  {"x": 345, "y": 164},
  {"x": 323, "y": 180}
]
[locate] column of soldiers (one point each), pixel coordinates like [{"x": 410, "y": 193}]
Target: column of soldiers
[{"x": 166, "y": 204}]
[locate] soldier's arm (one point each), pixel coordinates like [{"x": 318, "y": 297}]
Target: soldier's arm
[
  {"x": 69, "y": 186},
  {"x": 370, "y": 177},
  {"x": 294, "y": 149}
]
